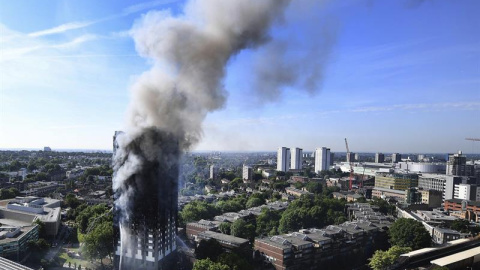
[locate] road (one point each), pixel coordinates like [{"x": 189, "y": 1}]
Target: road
[{"x": 58, "y": 243}]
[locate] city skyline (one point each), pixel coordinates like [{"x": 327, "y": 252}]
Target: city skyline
[{"x": 388, "y": 83}]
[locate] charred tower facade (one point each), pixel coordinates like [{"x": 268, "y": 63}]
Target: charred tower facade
[{"x": 145, "y": 225}]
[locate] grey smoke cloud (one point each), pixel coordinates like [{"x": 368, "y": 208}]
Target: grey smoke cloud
[
  {"x": 290, "y": 62},
  {"x": 189, "y": 54}
]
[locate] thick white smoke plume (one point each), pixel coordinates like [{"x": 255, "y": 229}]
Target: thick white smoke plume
[{"x": 189, "y": 55}]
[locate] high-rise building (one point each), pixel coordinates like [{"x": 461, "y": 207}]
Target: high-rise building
[
  {"x": 397, "y": 181},
  {"x": 396, "y": 157},
  {"x": 213, "y": 172},
  {"x": 432, "y": 181},
  {"x": 357, "y": 157},
  {"x": 283, "y": 158},
  {"x": 297, "y": 158},
  {"x": 322, "y": 159},
  {"x": 467, "y": 192},
  {"x": 146, "y": 238},
  {"x": 451, "y": 181},
  {"x": 457, "y": 165},
  {"x": 332, "y": 158},
  {"x": 350, "y": 157},
  {"x": 247, "y": 173},
  {"x": 379, "y": 158}
]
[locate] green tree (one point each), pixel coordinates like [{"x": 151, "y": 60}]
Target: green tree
[
  {"x": 463, "y": 225},
  {"x": 384, "y": 206},
  {"x": 240, "y": 228},
  {"x": 254, "y": 201},
  {"x": 41, "y": 176},
  {"x": 291, "y": 221},
  {"x": 382, "y": 260},
  {"x": 267, "y": 220},
  {"x": 409, "y": 233},
  {"x": 88, "y": 214},
  {"x": 71, "y": 201},
  {"x": 234, "y": 261},
  {"x": 207, "y": 264},
  {"x": 314, "y": 187},
  {"x": 197, "y": 210},
  {"x": 6, "y": 194},
  {"x": 232, "y": 205},
  {"x": 38, "y": 248},
  {"x": 42, "y": 232},
  {"x": 98, "y": 242},
  {"x": 210, "y": 249},
  {"x": 225, "y": 227}
]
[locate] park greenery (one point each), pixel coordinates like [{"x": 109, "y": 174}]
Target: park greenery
[
  {"x": 306, "y": 212},
  {"x": 410, "y": 233},
  {"x": 211, "y": 256},
  {"x": 382, "y": 260}
]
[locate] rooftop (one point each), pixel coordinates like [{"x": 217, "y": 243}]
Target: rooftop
[
  {"x": 225, "y": 238},
  {"x": 445, "y": 261},
  {"x": 10, "y": 265},
  {"x": 459, "y": 201}
]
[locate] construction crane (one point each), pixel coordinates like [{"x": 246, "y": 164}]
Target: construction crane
[{"x": 349, "y": 163}]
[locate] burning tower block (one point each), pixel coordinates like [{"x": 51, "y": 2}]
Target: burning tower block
[{"x": 145, "y": 219}]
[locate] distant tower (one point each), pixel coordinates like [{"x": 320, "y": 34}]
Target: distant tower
[
  {"x": 379, "y": 158},
  {"x": 457, "y": 165},
  {"x": 297, "y": 158},
  {"x": 213, "y": 172},
  {"x": 322, "y": 159},
  {"x": 396, "y": 157},
  {"x": 332, "y": 156},
  {"x": 283, "y": 158},
  {"x": 247, "y": 173},
  {"x": 350, "y": 157},
  {"x": 357, "y": 157}
]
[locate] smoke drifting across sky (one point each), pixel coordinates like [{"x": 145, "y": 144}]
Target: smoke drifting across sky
[{"x": 189, "y": 55}]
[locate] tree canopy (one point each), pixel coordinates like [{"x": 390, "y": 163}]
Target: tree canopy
[
  {"x": 208, "y": 249},
  {"x": 267, "y": 221},
  {"x": 409, "y": 233},
  {"x": 240, "y": 228},
  {"x": 198, "y": 210},
  {"x": 207, "y": 264},
  {"x": 382, "y": 260},
  {"x": 98, "y": 242},
  {"x": 309, "y": 211}
]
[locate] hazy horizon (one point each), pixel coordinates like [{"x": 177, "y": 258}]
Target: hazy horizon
[{"x": 389, "y": 76}]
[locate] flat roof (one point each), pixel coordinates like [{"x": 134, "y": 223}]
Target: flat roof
[
  {"x": 425, "y": 250},
  {"x": 223, "y": 237},
  {"x": 401, "y": 192},
  {"x": 10, "y": 265},
  {"x": 460, "y": 256},
  {"x": 459, "y": 201},
  {"x": 24, "y": 231}
]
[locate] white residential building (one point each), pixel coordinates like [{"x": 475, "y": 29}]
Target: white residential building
[
  {"x": 322, "y": 159},
  {"x": 247, "y": 173},
  {"x": 467, "y": 192},
  {"x": 283, "y": 158},
  {"x": 297, "y": 158}
]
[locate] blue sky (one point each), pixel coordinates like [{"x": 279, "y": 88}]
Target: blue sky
[{"x": 401, "y": 76}]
